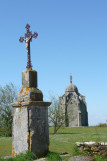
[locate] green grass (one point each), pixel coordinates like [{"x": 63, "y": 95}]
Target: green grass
[
  {"x": 5, "y": 146},
  {"x": 99, "y": 158},
  {"x": 28, "y": 156},
  {"x": 64, "y": 140},
  {"x": 53, "y": 157}
]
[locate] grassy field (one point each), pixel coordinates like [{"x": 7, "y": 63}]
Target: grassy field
[
  {"x": 5, "y": 146},
  {"x": 64, "y": 140}
]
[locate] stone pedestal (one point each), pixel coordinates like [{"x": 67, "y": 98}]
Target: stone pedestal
[{"x": 30, "y": 118}]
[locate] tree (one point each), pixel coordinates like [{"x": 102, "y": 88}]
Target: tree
[
  {"x": 8, "y": 94},
  {"x": 56, "y": 115}
]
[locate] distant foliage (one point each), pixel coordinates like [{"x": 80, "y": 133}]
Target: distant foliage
[
  {"x": 102, "y": 125},
  {"x": 55, "y": 114},
  {"x": 8, "y": 94}
]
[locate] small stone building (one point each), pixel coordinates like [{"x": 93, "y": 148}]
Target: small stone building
[{"x": 74, "y": 107}]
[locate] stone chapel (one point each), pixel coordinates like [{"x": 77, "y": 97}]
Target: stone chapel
[{"x": 74, "y": 106}]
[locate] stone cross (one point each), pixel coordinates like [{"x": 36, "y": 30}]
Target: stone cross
[{"x": 28, "y": 38}]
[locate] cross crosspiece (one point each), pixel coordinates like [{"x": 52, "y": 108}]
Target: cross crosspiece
[{"x": 28, "y": 38}]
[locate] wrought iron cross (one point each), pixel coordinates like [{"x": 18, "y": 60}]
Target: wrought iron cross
[{"x": 28, "y": 38}]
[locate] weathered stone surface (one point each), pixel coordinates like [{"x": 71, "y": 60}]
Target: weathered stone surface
[
  {"x": 30, "y": 128},
  {"x": 30, "y": 118},
  {"x": 20, "y": 130},
  {"x": 92, "y": 148},
  {"x": 39, "y": 130},
  {"x": 41, "y": 159},
  {"x": 29, "y": 79},
  {"x": 81, "y": 158},
  {"x": 85, "y": 143},
  {"x": 29, "y": 91},
  {"x": 74, "y": 107},
  {"x": 30, "y": 103},
  {"x": 30, "y": 94}
]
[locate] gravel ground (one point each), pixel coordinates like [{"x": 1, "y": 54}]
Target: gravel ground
[
  {"x": 75, "y": 158},
  {"x": 42, "y": 159},
  {"x": 81, "y": 158}
]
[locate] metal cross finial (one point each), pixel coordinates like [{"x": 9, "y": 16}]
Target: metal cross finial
[{"x": 28, "y": 38}]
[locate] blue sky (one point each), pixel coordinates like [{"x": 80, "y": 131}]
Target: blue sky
[{"x": 72, "y": 38}]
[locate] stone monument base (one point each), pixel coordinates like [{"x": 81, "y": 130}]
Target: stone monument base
[{"x": 30, "y": 127}]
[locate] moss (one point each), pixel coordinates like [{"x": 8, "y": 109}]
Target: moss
[
  {"x": 21, "y": 91},
  {"x": 25, "y": 91},
  {"x": 26, "y": 71}
]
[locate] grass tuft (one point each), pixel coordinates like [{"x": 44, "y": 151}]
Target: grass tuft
[
  {"x": 28, "y": 156},
  {"x": 99, "y": 158},
  {"x": 53, "y": 157},
  {"x": 76, "y": 151}
]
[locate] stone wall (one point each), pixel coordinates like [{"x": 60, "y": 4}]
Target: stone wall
[
  {"x": 84, "y": 113},
  {"x": 73, "y": 113},
  {"x": 93, "y": 148}
]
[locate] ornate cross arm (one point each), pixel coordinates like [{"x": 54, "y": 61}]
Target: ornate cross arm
[{"x": 28, "y": 38}]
